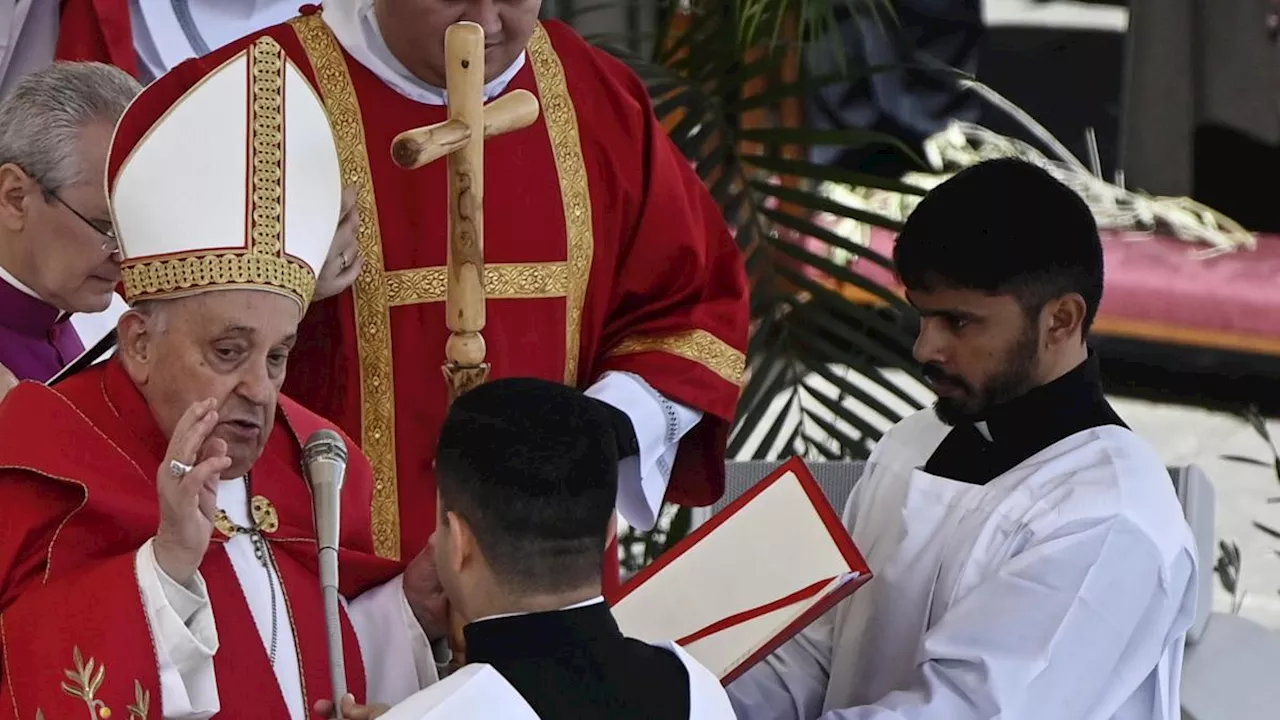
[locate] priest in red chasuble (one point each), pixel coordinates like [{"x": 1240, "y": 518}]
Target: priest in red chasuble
[
  {"x": 159, "y": 552},
  {"x": 608, "y": 265}
]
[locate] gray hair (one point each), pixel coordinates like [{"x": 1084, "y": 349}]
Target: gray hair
[
  {"x": 42, "y": 118},
  {"x": 156, "y": 313}
]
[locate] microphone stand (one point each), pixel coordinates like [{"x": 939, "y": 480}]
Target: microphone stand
[{"x": 325, "y": 459}]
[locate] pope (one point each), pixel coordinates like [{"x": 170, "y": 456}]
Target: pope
[
  {"x": 159, "y": 555},
  {"x": 608, "y": 265}
]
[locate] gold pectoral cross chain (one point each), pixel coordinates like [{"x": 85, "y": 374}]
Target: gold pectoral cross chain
[{"x": 265, "y": 520}]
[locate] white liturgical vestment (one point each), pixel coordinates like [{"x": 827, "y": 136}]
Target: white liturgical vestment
[
  {"x": 1061, "y": 588},
  {"x": 396, "y": 654}
]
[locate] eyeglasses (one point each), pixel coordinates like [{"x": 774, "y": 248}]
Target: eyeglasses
[{"x": 109, "y": 242}]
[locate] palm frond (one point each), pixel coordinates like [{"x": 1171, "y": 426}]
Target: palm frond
[{"x": 825, "y": 375}]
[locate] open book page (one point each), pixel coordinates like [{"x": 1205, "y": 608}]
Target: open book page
[{"x": 754, "y": 575}]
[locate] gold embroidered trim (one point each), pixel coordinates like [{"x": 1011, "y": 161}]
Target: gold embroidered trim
[
  {"x": 266, "y": 148},
  {"x": 533, "y": 280},
  {"x": 376, "y": 290},
  {"x": 562, "y": 126},
  {"x": 373, "y": 319},
  {"x": 263, "y": 263},
  {"x": 166, "y": 278},
  {"x": 697, "y": 346},
  {"x": 86, "y": 679},
  {"x": 4, "y": 667}
]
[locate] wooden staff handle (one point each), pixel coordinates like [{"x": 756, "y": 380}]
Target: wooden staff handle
[
  {"x": 464, "y": 300},
  {"x": 465, "y": 367},
  {"x": 412, "y": 149}
]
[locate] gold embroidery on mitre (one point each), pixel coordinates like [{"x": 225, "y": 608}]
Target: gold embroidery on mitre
[
  {"x": 86, "y": 679},
  {"x": 264, "y": 263},
  {"x": 167, "y": 278},
  {"x": 265, "y": 519},
  {"x": 266, "y": 149},
  {"x": 697, "y": 346},
  {"x": 373, "y": 312},
  {"x": 575, "y": 194}
]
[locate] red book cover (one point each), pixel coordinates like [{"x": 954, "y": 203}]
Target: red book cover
[{"x": 749, "y": 579}]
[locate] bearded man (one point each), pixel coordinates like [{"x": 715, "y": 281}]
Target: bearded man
[
  {"x": 159, "y": 553},
  {"x": 1031, "y": 557}
]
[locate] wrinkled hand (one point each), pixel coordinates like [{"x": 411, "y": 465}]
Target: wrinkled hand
[
  {"x": 8, "y": 381},
  {"x": 426, "y": 596},
  {"x": 343, "y": 264},
  {"x": 187, "y": 503},
  {"x": 350, "y": 710}
]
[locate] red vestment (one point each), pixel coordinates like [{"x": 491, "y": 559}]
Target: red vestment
[
  {"x": 98, "y": 30},
  {"x": 77, "y": 484},
  {"x": 603, "y": 251}
]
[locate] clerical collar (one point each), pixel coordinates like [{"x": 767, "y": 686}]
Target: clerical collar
[
  {"x": 24, "y": 310},
  {"x": 575, "y": 606},
  {"x": 512, "y": 637},
  {"x": 355, "y": 26},
  {"x": 1009, "y": 433}
]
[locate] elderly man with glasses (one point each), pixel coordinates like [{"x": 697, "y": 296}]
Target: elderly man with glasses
[{"x": 58, "y": 251}]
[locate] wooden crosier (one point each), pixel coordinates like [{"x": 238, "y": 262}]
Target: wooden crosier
[{"x": 457, "y": 140}]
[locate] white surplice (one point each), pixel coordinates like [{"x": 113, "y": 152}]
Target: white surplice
[
  {"x": 396, "y": 654},
  {"x": 164, "y": 37},
  {"x": 1060, "y": 590}
]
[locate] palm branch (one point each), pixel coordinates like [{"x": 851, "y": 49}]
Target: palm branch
[{"x": 826, "y": 375}]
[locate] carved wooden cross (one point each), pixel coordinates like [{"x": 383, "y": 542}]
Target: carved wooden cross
[{"x": 457, "y": 139}]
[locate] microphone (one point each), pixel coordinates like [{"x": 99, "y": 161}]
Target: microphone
[{"x": 325, "y": 459}]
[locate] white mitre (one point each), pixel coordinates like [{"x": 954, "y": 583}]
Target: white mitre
[
  {"x": 223, "y": 178},
  {"x": 474, "y": 691}
]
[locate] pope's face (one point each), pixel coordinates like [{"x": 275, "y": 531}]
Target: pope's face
[
  {"x": 977, "y": 349},
  {"x": 231, "y": 345},
  {"x": 414, "y": 31}
]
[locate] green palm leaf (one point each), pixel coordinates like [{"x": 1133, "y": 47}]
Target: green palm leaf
[{"x": 824, "y": 373}]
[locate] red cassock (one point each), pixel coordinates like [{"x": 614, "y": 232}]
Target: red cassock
[
  {"x": 603, "y": 250},
  {"x": 77, "y": 484},
  {"x": 98, "y": 30}
]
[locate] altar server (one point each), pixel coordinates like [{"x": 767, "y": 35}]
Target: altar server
[
  {"x": 528, "y": 472},
  {"x": 1030, "y": 555}
]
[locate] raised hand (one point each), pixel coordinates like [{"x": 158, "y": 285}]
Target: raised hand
[
  {"x": 350, "y": 710},
  {"x": 188, "y": 500},
  {"x": 344, "y": 261}
]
